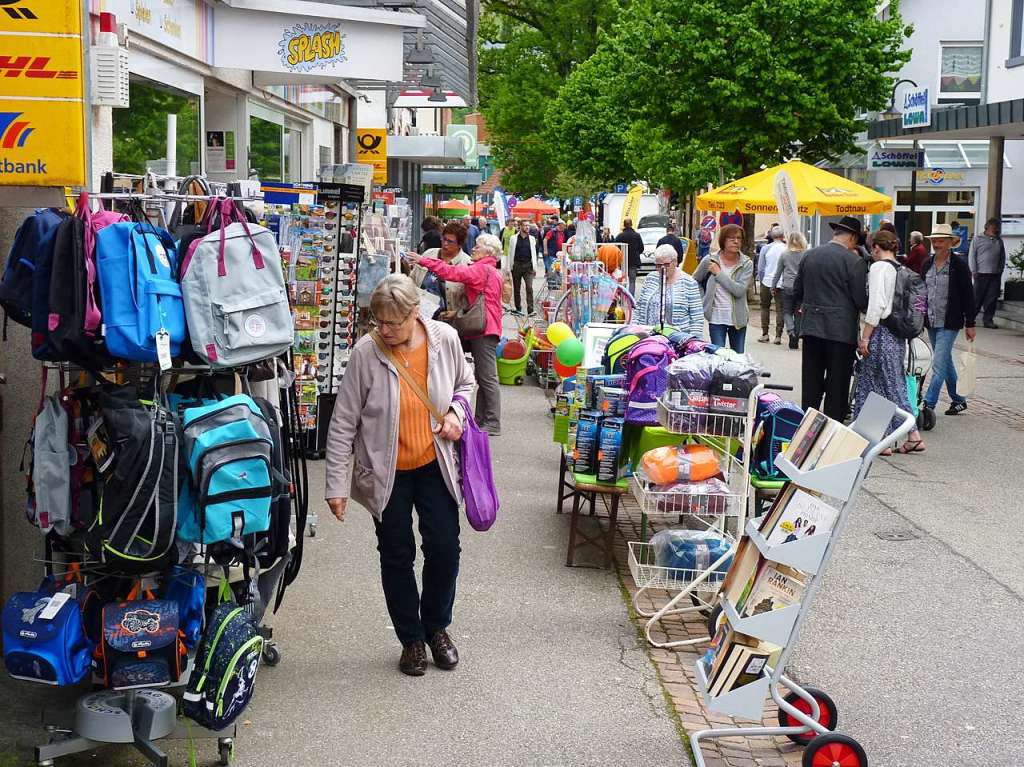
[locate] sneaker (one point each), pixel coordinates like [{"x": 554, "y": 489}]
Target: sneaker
[
  {"x": 778, "y": 340},
  {"x": 445, "y": 655},
  {"x": 414, "y": 659},
  {"x": 956, "y": 408},
  {"x": 763, "y": 339}
]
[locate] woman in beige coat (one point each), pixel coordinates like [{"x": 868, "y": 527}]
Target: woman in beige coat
[{"x": 386, "y": 452}]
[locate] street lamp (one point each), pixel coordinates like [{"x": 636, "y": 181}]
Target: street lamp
[
  {"x": 913, "y": 173},
  {"x": 892, "y": 101}
]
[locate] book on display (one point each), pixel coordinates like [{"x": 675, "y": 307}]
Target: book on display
[
  {"x": 799, "y": 515},
  {"x": 774, "y": 587}
]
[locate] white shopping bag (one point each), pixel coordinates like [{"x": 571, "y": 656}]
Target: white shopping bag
[{"x": 966, "y": 377}]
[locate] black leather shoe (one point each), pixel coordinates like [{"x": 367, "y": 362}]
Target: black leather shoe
[
  {"x": 444, "y": 652},
  {"x": 414, "y": 659}
]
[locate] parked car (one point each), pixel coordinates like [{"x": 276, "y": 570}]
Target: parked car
[{"x": 651, "y": 229}]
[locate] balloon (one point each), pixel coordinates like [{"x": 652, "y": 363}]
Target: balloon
[
  {"x": 570, "y": 352},
  {"x": 558, "y": 332},
  {"x": 514, "y": 350},
  {"x": 564, "y": 371}
]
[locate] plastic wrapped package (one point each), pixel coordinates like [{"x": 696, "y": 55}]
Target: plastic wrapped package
[
  {"x": 732, "y": 382},
  {"x": 693, "y": 550},
  {"x": 668, "y": 465},
  {"x": 693, "y": 372},
  {"x": 703, "y": 498}
]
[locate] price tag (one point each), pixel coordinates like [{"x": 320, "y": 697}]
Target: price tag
[
  {"x": 57, "y": 601},
  {"x": 163, "y": 349}
]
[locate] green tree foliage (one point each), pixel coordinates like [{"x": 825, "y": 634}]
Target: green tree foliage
[
  {"x": 527, "y": 50},
  {"x": 681, "y": 88},
  {"x": 140, "y": 132}
]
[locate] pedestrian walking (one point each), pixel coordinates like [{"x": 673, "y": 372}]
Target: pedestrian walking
[
  {"x": 767, "y": 265},
  {"x": 918, "y": 253},
  {"x": 431, "y": 229},
  {"x": 480, "y": 278},
  {"x": 830, "y": 292},
  {"x": 671, "y": 238},
  {"x": 472, "y": 232},
  {"x": 670, "y": 296},
  {"x": 888, "y": 226},
  {"x": 883, "y": 354},
  {"x": 634, "y": 250},
  {"x": 511, "y": 227},
  {"x": 725, "y": 277},
  {"x": 554, "y": 241},
  {"x": 987, "y": 259},
  {"x": 947, "y": 278},
  {"x": 452, "y": 296},
  {"x": 522, "y": 263},
  {"x": 384, "y": 453},
  {"x": 785, "y": 276}
]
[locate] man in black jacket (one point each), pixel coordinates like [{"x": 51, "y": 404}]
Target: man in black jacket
[
  {"x": 830, "y": 292},
  {"x": 635, "y": 249},
  {"x": 671, "y": 238}
]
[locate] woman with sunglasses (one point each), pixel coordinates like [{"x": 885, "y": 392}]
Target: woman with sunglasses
[
  {"x": 386, "y": 452},
  {"x": 479, "y": 278}
]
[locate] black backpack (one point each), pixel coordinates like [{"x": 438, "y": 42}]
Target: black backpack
[
  {"x": 34, "y": 238},
  {"x": 909, "y": 304},
  {"x": 65, "y": 338},
  {"x": 136, "y": 526}
]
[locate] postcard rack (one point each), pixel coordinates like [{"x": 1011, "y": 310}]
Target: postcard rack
[{"x": 806, "y": 715}]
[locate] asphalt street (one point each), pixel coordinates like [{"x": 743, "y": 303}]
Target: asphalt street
[{"x": 917, "y": 639}]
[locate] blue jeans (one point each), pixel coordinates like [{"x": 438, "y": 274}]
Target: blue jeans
[
  {"x": 548, "y": 261},
  {"x": 943, "y": 369},
  {"x": 417, "y": 617},
  {"x": 737, "y": 336}
]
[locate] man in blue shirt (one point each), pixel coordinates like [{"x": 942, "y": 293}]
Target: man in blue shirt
[{"x": 472, "y": 232}]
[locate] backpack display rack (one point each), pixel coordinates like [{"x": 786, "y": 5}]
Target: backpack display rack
[{"x": 172, "y": 499}]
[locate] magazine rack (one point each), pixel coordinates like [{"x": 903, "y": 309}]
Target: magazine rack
[
  {"x": 806, "y": 716},
  {"x": 723, "y": 433}
]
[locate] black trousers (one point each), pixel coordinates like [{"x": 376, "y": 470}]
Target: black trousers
[
  {"x": 827, "y": 370},
  {"x": 417, "y": 617},
  {"x": 986, "y": 293}
]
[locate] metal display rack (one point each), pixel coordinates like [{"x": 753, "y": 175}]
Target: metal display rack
[
  {"x": 725, "y": 512},
  {"x": 806, "y": 715}
]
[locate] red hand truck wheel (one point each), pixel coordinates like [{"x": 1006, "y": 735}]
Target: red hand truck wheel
[
  {"x": 834, "y": 750},
  {"x": 828, "y": 714}
]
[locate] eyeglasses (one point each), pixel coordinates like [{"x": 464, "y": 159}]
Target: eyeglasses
[
  {"x": 393, "y": 323},
  {"x": 449, "y": 241}
]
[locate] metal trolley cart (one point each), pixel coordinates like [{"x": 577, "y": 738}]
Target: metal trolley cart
[
  {"x": 806, "y": 716},
  {"x": 731, "y": 437}
]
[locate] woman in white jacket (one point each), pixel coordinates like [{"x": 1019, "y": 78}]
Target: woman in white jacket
[{"x": 882, "y": 368}]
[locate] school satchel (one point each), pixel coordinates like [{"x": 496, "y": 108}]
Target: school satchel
[
  {"x": 44, "y": 639},
  {"x": 222, "y": 682},
  {"x": 142, "y": 645},
  {"x": 236, "y": 302}
]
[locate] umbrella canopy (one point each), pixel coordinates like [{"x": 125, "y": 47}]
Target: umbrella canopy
[
  {"x": 453, "y": 208},
  {"x": 817, "y": 191},
  {"x": 533, "y": 206}
]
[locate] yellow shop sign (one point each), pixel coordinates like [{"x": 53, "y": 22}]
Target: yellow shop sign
[
  {"x": 49, "y": 67},
  {"x": 307, "y": 47},
  {"x": 53, "y": 17},
  {"x": 372, "y": 149},
  {"x": 41, "y": 143}
]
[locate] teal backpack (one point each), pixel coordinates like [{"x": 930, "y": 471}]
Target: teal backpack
[
  {"x": 228, "y": 445},
  {"x": 222, "y": 681}
]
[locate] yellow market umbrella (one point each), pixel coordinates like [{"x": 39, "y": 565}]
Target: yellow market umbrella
[{"x": 817, "y": 191}]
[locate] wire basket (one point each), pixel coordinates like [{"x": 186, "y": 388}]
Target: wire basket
[
  {"x": 654, "y": 501},
  {"x": 647, "y": 574},
  {"x": 686, "y": 419}
]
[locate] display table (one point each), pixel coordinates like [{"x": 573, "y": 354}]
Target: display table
[{"x": 584, "y": 488}]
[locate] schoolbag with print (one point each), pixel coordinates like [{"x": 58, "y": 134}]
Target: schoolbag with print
[{"x": 647, "y": 377}]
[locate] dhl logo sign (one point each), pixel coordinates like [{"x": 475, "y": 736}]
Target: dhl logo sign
[
  {"x": 36, "y": 67},
  {"x": 50, "y": 16},
  {"x": 17, "y": 13}
]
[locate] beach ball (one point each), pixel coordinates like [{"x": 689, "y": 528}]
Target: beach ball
[{"x": 514, "y": 350}]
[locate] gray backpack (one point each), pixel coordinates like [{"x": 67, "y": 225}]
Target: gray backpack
[
  {"x": 236, "y": 302},
  {"x": 51, "y": 470}
]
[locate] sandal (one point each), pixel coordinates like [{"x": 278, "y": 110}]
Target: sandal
[
  {"x": 912, "y": 446},
  {"x": 886, "y": 452}
]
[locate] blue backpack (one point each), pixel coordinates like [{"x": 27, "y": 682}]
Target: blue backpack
[
  {"x": 50, "y": 650},
  {"x": 775, "y": 423},
  {"x": 137, "y": 264},
  {"x": 229, "y": 447},
  {"x": 33, "y": 244}
]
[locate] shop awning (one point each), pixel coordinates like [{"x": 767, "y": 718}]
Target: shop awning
[
  {"x": 296, "y": 41},
  {"x": 817, "y": 191},
  {"x": 451, "y": 177},
  {"x": 981, "y": 121},
  {"x": 427, "y": 150}
]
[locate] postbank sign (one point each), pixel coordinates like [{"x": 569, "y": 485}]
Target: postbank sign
[
  {"x": 308, "y": 47},
  {"x": 42, "y": 107}
]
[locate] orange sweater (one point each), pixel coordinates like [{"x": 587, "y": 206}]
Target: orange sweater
[{"x": 415, "y": 432}]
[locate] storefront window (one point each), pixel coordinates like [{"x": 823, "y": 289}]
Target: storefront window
[
  {"x": 140, "y": 132},
  {"x": 960, "y": 71},
  {"x": 266, "y": 148},
  {"x": 1016, "y": 35}
]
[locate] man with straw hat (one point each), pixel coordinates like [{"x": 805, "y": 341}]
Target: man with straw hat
[
  {"x": 830, "y": 292},
  {"x": 950, "y": 308}
]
